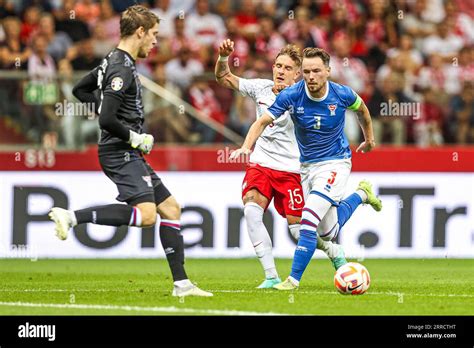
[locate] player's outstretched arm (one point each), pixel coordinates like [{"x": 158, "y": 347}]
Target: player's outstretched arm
[
  {"x": 365, "y": 122},
  {"x": 255, "y": 131},
  {"x": 224, "y": 76}
]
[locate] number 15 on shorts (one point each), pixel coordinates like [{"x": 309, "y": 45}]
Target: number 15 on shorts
[{"x": 295, "y": 197}]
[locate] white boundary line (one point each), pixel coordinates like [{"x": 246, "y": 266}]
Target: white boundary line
[
  {"x": 137, "y": 308},
  {"x": 268, "y": 291}
]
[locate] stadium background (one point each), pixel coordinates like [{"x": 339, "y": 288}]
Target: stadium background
[{"x": 393, "y": 53}]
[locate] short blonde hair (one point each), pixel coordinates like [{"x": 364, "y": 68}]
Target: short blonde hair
[{"x": 291, "y": 51}]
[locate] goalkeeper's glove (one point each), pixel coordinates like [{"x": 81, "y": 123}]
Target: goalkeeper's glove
[{"x": 142, "y": 142}]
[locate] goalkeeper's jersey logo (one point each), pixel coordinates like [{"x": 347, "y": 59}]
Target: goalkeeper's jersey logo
[{"x": 147, "y": 179}]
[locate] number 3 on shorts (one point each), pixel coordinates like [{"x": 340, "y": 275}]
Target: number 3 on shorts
[{"x": 332, "y": 178}]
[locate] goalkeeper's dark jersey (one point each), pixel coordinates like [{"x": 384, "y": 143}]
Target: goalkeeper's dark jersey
[{"x": 117, "y": 77}]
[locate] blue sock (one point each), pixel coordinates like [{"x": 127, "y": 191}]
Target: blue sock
[
  {"x": 347, "y": 207},
  {"x": 303, "y": 253}
]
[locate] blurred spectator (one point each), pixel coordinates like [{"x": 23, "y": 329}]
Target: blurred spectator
[
  {"x": 462, "y": 115},
  {"x": 86, "y": 59},
  {"x": 465, "y": 64},
  {"x": 70, "y": 123},
  {"x": 203, "y": 99},
  {"x": 223, "y": 8},
  {"x": 41, "y": 65},
  {"x": 164, "y": 121},
  {"x": 205, "y": 27},
  {"x": 121, "y": 5},
  {"x": 7, "y": 9},
  {"x": 268, "y": 8},
  {"x": 428, "y": 128},
  {"x": 463, "y": 23},
  {"x": 182, "y": 6},
  {"x": 239, "y": 57},
  {"x": 45, "y": 5},
  {"x": 87, "y": 10},
  {"x": 168, "y": 48},
  {"x": 444, "y": 42},
  {"x": 247, "y": 19},
  {"x": 395, "y": 65},
  {"x": 380, "y": 32},
  {"x": 328, "y": 7},
  {"x": 68, "y": 22},
  {"x": 414, "y": 24},
  {"x": 13, "y": 53},
  {"x": 439, "y": 77},
  {"x": 58, "y": 42},
  {"x": 75, "y": 129},
  {"x": 163, "y": 10},
  {"x": 257, "y": 68},
  {"x": 292, "y": 5},
  {"x": 101, "y": 43},
  {"x": 242, "y": 115},
  {"x": 410, "y": 58},
  {"x": 110, "y": 20},
  {"x": 301, "y": 32},
  {"x": 30, "y": 23},
  {"x": 465, "y": 7},
  {"x": 434, "y": 11},
  {"x": 42, "y": 71},
  {"x": 394, "y": 125},
  {"x": 182, "y": 39},
  {"x": 269, "y": 42},
  {"x": 181, "y": 70},
  {"x": 346, "y": 69},
  {"x": 352, "y": 72},
  {"x": 430, "y": 62},
  {"x": 339, "y": 20}
]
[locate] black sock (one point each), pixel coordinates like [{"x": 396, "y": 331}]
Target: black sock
[
  {"x": 173, "y": 245},
  {"x": 110, "y": 215}
]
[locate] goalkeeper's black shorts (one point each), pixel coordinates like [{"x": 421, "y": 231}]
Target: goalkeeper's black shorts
[{"x": 136, "y": 181}]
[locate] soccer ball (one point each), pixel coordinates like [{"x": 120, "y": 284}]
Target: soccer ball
[{"x": 352, "y": 278}]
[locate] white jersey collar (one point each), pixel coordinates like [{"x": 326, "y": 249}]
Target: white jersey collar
[{"x": 313, "y": 98}]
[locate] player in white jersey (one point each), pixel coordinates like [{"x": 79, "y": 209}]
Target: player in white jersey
[{"x": 274, "y": 168}]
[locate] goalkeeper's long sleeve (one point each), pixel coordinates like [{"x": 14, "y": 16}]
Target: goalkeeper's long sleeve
[
  {"x": 84, "y": 89},
  {"x": 108, "y": 118}
]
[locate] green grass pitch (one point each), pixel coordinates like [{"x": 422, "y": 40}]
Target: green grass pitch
[{"x": 143, "y": 287}]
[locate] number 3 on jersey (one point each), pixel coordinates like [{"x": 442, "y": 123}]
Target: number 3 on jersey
[{"x": 317, "y": 120}]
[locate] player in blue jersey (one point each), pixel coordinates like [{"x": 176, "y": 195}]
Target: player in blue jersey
[{"x": 317, "y": 107}]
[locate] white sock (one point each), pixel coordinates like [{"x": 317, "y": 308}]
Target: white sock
[
  {"x": 183, "y": 283},
  {"x": 260, "y": 238},
  {"x": 328, "y": 247},
  {"x": 72, "y": 215},
  {"x": 294, "y": 281},
  {"x": 136, "y": 216},
  {"x": 295, "y": 230},
  {"x": 362, "y": 195}
]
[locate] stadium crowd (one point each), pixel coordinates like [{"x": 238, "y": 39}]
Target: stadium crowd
[{"x": 412, "y": 61}]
